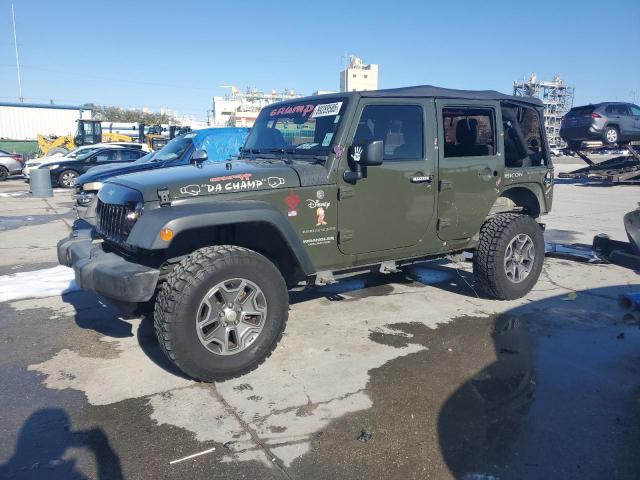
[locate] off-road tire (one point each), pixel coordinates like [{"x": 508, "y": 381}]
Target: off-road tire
[
  {"x": 606, "y": 135},
  {"x": 4, "y": 173},
  {"x": 66, "y": 172},
  {"x": 488, "y": 259},
  {"x": 180, "y": 296}
]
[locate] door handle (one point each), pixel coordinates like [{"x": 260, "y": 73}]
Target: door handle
[{"x": 421, "y": 179}]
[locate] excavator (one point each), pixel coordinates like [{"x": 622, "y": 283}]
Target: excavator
[
  {"x": 90, "y": 132},
  {"x": 87, "y": 133}
]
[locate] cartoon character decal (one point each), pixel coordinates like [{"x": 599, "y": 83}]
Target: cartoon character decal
[{"x": 320, "y": 217}]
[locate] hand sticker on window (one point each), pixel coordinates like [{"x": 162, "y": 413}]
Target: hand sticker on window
[{"x": 357, "y": 151}]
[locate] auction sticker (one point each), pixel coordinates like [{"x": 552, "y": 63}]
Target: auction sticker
[{"x": 326, "y": 109}]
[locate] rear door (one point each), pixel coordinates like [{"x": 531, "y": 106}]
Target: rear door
[
  {"x": 471, "y": 165},
  {"x": 635, "y": 112},
  {"x": 392, "y": 206}
]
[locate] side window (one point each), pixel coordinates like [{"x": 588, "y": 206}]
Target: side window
[
  {"x": 532, "y": 131},
  {"x": 400, "y": 127},
  {"x": 107, "y": 156},
  {"x": 469, "y": 132},
  {"x": 128, "y": 155},
  {"x": 635, "y": 110}
]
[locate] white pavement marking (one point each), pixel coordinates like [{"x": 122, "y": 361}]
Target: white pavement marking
[
  {"x": 37, "y": 284},
  {"x": 192, "y": 456}
]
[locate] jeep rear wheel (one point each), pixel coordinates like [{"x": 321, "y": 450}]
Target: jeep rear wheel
[
  {"x": 509, "y": 257},
  {"x": 221, "y": 312}
]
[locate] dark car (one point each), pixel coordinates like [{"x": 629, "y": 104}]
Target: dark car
[
  {"x": 220, "y": 144},
  {"x": 65, "y": 172},
  {"x": 610, "y": 122},
  {"x": 10, "y": 164}
]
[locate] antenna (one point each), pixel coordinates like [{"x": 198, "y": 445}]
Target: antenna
[{"x": 15, "y": 43}]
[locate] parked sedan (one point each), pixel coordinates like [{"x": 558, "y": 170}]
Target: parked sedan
[
  {"x": 37, "y": 162},
  {"x": 65, "y": 172},
  {"x": 10, "y": 164},
  {"x": 220, "y": 144}
]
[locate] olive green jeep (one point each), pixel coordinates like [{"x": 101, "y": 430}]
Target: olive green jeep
[{"x": 324, "y": 187}]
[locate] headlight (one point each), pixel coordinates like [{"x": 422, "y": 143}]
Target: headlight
[
  {"x": 92, "y": 186},
  {"x": 52, "y": 167}
]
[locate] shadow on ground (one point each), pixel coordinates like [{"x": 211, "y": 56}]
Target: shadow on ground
[
  {"x": 547, "y": 390},
  {"x": 45, "y": 439}
]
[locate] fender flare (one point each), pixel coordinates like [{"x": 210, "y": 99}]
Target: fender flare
[
  {"x": 181, "y": 218},
  {"x": 535, "y": 189}
]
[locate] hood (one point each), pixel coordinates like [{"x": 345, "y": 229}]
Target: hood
[
  {"x": 104, "y": 172},
  {"x": 189, "y": 181}
]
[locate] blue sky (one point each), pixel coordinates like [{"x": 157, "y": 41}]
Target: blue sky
[{"x": 178, "y": 56}]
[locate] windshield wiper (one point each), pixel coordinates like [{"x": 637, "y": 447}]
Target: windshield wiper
[{"x": 285, "y": 151}]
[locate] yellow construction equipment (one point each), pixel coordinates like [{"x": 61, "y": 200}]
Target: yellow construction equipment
[{"x": 88, "y": 132}]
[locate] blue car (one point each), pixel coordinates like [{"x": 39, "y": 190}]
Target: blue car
[{"x": 219, "y": 143}]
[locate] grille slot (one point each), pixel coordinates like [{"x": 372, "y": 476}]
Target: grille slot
[{"x": 112, "y": 222}]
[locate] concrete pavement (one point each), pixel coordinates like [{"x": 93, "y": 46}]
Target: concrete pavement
[{"x": 443, "y": 383}]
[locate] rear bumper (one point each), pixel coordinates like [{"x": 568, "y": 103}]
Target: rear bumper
[
  {"x": 573, "y": 134},
  {"x": 105, "y": 273}
]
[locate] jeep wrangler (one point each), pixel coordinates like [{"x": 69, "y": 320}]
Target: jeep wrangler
[{"x": 323, "y": 187}]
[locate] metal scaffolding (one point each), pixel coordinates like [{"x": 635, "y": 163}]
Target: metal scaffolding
[{"x": 557, "y": 97}]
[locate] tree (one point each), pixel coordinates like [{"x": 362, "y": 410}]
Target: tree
[{"x": 117, "y": 114}]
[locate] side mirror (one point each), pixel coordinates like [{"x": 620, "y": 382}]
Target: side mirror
[
  {"x": 369, "y": 154},
  {"x": 199, "y": 156}
]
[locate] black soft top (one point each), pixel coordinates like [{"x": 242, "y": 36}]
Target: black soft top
[
  {"x": 438, "y": 92},
  {"x": 429, "y": 91}
]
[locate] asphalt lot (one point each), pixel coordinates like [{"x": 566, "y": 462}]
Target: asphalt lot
[{"x": 443, "y": 384}]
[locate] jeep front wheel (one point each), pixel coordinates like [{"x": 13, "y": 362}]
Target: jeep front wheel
[
  {"x": 221, "y": 312},
  {"x": 509, "y": 257}
]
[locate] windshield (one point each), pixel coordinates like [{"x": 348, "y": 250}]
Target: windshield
[
  {"x": 174, "y": 149},
  {"x": 81, "y": 152},
  {"x": 303, "y": 128},
  {"x": 147, "y": 158}
]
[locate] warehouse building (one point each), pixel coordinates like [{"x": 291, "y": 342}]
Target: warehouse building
[{"x": 24, "y": 121}]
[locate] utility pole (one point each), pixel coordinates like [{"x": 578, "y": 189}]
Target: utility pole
[{"x": 15, "y": 43}]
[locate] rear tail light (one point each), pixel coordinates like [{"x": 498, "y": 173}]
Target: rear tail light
[
  {"x": 18, "y": 158},
  {"x": 595, "y": 115}
]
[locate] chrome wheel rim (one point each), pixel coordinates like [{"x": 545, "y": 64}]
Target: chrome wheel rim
[
  {"x": 68, "y": 179},
  {"x": 519, "y": 258},
  {"x": 231, "y": 316},
  {"x": 612, "y": 135}
]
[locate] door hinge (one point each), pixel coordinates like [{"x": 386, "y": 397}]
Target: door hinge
[
  {"x": 345, "y": 192},
  {"x": 444, "y": 185},
  {"x": 164, "y": 196},
  {"x": 345, "y": 236}
]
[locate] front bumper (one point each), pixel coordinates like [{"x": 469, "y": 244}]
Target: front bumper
[
  {"x": 84, "y": 199},
  {"x": 105, "y": 273}
]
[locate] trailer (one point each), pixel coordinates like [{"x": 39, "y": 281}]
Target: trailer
[{"x": 621, "y": 169}]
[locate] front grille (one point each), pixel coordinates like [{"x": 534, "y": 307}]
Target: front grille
[{"x": 112, "y": 223}]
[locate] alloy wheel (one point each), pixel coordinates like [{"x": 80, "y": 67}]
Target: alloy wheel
[
  {"x": 519, "y": 258},
  {"x": 231, "y": 316}
]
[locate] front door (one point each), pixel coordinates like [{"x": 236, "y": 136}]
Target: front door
[
  {"x": 471, "y": 165},
  {"x": 392, "y": 205}
]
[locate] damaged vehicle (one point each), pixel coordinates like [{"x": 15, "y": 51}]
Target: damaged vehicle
[
  {"x": 325, "y": 187},
  {"x": 625, "y": 254}
]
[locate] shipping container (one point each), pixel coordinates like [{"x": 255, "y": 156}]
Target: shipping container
[{"x": 24, "y": 121}]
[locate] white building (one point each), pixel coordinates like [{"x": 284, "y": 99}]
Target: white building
[
  {"x": 24, "y": 121},
  {"x": 358, "y": 76},
  {"x": 240, "y": 109}
]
